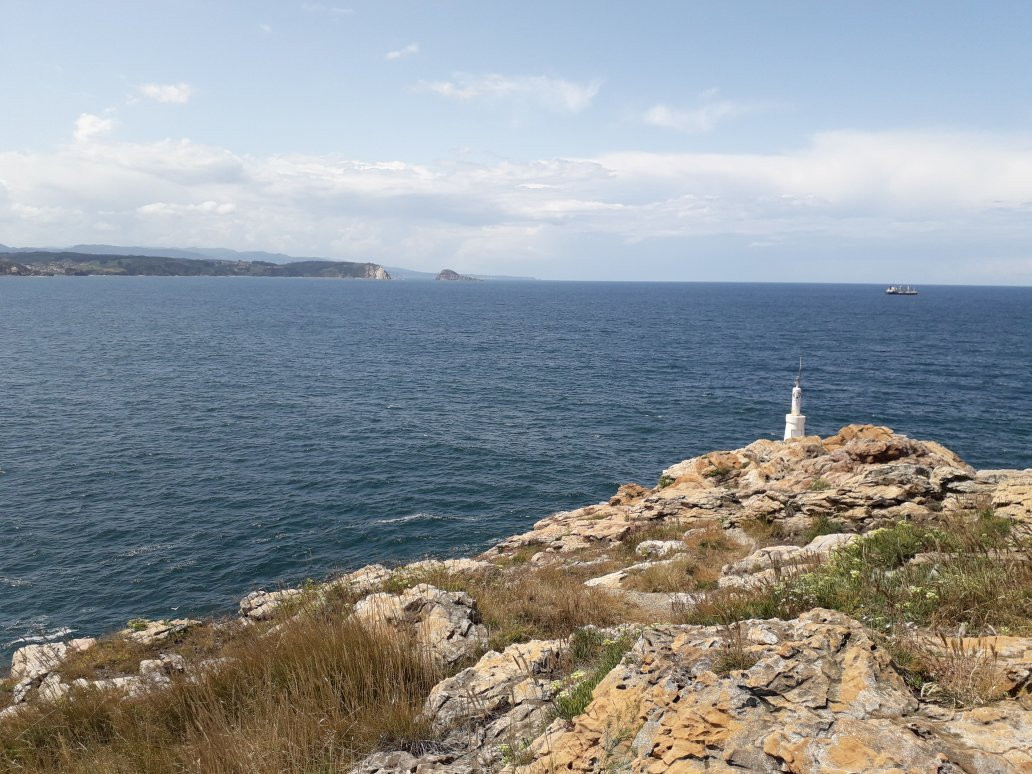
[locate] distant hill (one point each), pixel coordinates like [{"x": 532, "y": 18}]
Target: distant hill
[
  {"x": 108, "y": 250},
  {"x": 218, "y": 253},
  {"x": 225, "y": 255},
  {"x": 82, "y": 263},
  {"x": 454, "y": 276},
  {"x": 398, "y": 272}
]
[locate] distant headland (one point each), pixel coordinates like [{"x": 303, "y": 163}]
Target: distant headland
[
  {"x": 117, "y": 260},
  {"x": 454, "y": 276},
  {"x": 46, "y": 263}
]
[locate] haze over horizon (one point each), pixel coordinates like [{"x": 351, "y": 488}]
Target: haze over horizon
[{"x": 799, "y": 141}]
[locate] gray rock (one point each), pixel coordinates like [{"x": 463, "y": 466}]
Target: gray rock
[
  {"x": 445, "y": 622},
  {"x": 35, "y": 660},
  {"x": 659, "y": 548},
  {"x": 261, "y": 605},
  {"x": 405, "y": 763},
  {"x": 153, "y": 632}
]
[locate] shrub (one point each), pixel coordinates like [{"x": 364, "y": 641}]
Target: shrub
[
  {"x": 979, "y": 575},
  {"x": 717, "y": 471}
]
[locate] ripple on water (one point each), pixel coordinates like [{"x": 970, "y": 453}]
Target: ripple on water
[{"x": 169, "y": 444}]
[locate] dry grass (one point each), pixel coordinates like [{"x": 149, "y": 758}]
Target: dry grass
[
  {"x": 6, "y": 687},
  {"x": 114, "y": 656},
  {"x": 672, "y": 529},
  {"x": 544, "y": 603},
  {"x": 734, "y": 654},
  {"x": 978, "y": 578},
  {"x": 765, "y": 532},
  {"x": 697, "y": 569},
  {"x": 949, "y": 670},
  {"x": 316, "y": 697}
]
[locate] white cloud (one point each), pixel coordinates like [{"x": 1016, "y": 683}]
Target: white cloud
[
  {"x": 553, "y": 93},
  {"x": 332, "y": 11},
  {"x": 401, "y": 53},
  {"x": 166, "y": 92},
  {"x": 699, "y": 119},
  {"x": 936, "y": 190},
  {"x": 209, "y": 207},
  {"x": 89, "y": 126}
]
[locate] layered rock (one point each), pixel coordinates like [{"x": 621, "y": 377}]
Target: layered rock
[
  {"x": 815, "y": 694},
  {"x": 152, "y": 632},
  {"x": 862, "y": 476},
  {"x": 767, "y": 564},
  {"x": 32, "y": 661},
  {"x": 445, "y": 622}
]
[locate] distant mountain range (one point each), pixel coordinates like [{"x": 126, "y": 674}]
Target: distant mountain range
[{"x": 190, "y": 261}]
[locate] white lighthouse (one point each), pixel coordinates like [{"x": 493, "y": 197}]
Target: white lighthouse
[{"x": 795, "y": 422}]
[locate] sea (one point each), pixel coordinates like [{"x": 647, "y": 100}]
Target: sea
[{"x": 169, "y": 444}]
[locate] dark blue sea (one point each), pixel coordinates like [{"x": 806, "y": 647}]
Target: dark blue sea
[{"x": 169, "y": 444}]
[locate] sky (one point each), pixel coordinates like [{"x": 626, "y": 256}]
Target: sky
[{"x": 886, "y": 142}]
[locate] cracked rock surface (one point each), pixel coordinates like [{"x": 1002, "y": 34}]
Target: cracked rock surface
[{"x": 820, "y": 696}]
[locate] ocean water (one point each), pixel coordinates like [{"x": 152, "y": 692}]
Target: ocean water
[{"x": 169, "y": 444}]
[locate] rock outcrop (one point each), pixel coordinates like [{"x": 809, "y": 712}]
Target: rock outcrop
[
  {"x": 862, "y": 476},
  {"x": 35, "y": 660},
  {"x": 444, "y": 622},
  {"x": 815, "y": 694}
]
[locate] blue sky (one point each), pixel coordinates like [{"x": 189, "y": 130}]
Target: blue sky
[{"x": 824, "y": 141}]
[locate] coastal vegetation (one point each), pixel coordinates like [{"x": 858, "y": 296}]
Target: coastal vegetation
[{"x": 907, "y": 584}]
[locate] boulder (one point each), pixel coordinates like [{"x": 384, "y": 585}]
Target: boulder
[
  {"x": 261, "y": 605},
  {"x": 772, "y": 557},
  {"x": 163, "y": 666},
  {"x": 1012, "y": 496},
  {"x": 363, "y": 580},
  {"x": 445, "y": 622},
  {"x": 659, "y": 548},
  {"x": 504, "y": 699},
  {"x": 153, "y": 632},
  {"x": 400, "y": 762},
  {"x": 35, "y": 660},
  {"x": 864, "y": 475}
]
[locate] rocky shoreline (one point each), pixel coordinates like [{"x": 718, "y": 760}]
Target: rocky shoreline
[{"x": 677, "y": 679}]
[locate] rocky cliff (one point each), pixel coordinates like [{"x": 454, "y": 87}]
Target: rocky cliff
[{"x": 861, "y": 602}]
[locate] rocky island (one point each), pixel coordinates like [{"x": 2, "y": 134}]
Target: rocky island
[
  {"x": 454, "y": 276},
  {"x": 860, "y": 602},
  {"x": 45, "y": 263}
]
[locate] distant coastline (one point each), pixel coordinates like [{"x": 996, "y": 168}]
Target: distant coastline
[{"x": 47, "y": 263}]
